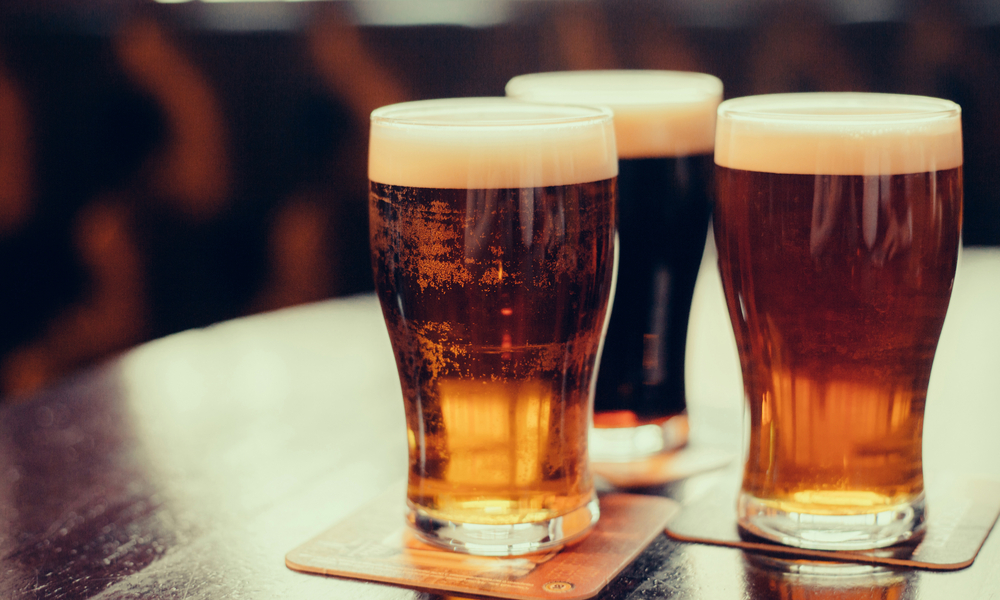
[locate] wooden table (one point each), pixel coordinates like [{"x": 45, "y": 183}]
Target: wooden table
[{"x": 189, "y": 467}]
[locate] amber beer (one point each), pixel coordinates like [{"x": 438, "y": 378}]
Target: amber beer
[
  {"x": 665, "y": 132},
  {"x": 838, "y": 228},
  {"x": 493, "y": 245}
]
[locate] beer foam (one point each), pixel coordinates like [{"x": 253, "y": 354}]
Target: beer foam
[
  {"x": 490, "y": 143},
  {"x": 839, "y": 134},
  {"x": 657, "y": 113}
]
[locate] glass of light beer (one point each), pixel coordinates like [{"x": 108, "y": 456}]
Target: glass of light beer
[
  {"x": 837, "y": 223},
  {"x": 665, "y": 132},
  {"x": 492, "y": 227}
]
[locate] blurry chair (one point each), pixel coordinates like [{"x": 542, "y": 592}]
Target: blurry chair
[
  {"x": 318, "y": 242},
  {"x": 182, "y": 191},
  {"x": 134, "y": 220},
  {"x": 110, "y": 317},
  {"x": 191, "y": 169}
]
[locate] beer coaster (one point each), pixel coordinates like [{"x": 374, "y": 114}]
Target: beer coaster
[
  {"x": 374, "y": 544},
  {"x": 961, "y": 511},
  {"x": 664, "y": 467}
]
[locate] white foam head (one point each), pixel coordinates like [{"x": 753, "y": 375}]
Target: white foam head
[
  {"x": 657, "y": 113},
  {"x": 839, "y": 134},
  {"x": 490, "y": 143}
]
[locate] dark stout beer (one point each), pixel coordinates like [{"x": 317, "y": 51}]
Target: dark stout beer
[
  {"x": 663, "y": 219},
  {"x": 664, "y": 125},
  {"x": 495, "y": 297},
  {"x": 837, "y": 283}
]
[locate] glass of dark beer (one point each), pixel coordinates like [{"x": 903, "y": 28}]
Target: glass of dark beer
[
  {"x": 492, "y": 227},
  {"x": 665, "y": 131},
  {"x": 837, "y": 222}
]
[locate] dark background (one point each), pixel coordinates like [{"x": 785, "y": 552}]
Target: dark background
[{"x": 168, "y": 166}]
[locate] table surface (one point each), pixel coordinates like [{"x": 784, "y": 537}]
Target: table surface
[{"x": 189, "y": 466}]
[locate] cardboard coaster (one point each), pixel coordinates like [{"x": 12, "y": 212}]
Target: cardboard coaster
[
  {"x": 374, "y": 544},
  {"x": 961, "y": 512},
  {"x": 664, "y": 467}
]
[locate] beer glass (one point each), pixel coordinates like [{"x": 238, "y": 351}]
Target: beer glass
[
  {"x": 492, "y": 226},
  {"x": 837, "y": 222},
  {"x": 665, "y": 131}
]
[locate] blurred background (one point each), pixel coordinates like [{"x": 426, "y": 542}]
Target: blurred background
[{"x": 167, "y": 165}]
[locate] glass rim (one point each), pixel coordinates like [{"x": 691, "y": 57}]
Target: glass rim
[
  {"x": 622, "y": 87},
  {"x": 837, "y": 108},
  {"x": 488, "y": 112}
]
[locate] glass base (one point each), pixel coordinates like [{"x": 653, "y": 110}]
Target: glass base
[
  {"x": 628, "y": 444},
  {"x": 893, "y": 525},
  {"x": 504, "y": 540}
]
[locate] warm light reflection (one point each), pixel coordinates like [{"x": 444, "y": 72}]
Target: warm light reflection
[
  {"x": 251, "y": 408},
  {"x": 471, "y": 13},
  {"x": 710, "y": 572},
  {"x": 225, "y": 1},
  {"x": 767, "y": 577}
]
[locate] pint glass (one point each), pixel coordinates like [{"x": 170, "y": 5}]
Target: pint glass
[
  {"x": 492, "y": 226},
  {"x": 665, "y": 131},
  {"x": 838, "y": 224}
]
